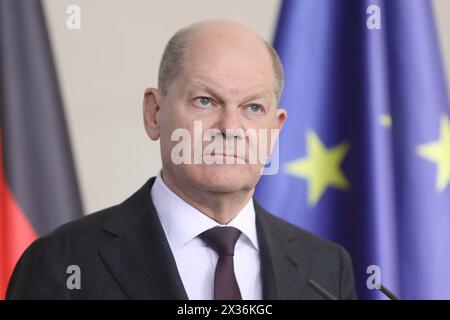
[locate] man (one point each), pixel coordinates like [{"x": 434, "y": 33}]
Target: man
[{"x": 194, "y": 232}]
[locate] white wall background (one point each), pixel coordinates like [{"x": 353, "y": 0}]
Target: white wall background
[{"x": 105, "y": 67}]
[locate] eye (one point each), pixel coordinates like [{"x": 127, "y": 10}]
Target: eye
[
  {"x": 202, "y": 102},
  {"x": 255, "y": 108}
]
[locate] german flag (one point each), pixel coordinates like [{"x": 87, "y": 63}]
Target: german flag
[{"x": 38, "y": 187}]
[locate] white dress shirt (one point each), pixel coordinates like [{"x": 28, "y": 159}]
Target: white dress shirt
[{"x": 196, "y": 262}]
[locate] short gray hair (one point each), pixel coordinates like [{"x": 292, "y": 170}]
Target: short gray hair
[{"x": 172, "y": 62}]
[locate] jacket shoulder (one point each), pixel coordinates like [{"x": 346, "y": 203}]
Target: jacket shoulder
[
  {"x": 307, "y": 238},
  {"x": 84, "y": 232},
  {"x": 325, "y": 261}
]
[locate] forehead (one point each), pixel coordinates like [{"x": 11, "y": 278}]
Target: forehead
[
  {"x": 227, "y": 85},
  {"x": 227, "y": 80},
  {"x": 226, "y": 57}
]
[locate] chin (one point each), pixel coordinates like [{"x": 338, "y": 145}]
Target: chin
[{"x": 225, "y": 178}]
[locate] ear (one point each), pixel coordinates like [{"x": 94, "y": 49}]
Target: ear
[
  {"x": 281, "y": 115},
  {"x": 151, "y": 108}
]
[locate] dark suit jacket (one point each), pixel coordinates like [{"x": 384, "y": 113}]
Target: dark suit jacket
[{"x": 123, "y": 253}]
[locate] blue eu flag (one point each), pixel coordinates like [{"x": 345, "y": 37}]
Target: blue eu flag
[{"x": 365, "y": 153}]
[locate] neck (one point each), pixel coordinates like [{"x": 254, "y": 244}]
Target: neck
[{"x": 219, "y": 206}]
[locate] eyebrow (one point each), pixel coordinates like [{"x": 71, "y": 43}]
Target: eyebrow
[
  {"x": 206, "y": 89},
  {"x": 215, "y": 95}
]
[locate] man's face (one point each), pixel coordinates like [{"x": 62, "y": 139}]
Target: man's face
[{"x": 224, "y": 87}]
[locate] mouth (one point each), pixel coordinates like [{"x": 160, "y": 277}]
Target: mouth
[{"x": 225, "y": 155}]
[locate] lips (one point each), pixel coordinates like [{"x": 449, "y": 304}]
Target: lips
[
  {"x": 224, "y": 155},
  {"x": 213, "y": 154}
]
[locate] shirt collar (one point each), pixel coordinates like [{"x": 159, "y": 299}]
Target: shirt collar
[{"x": 182, "y": 222}]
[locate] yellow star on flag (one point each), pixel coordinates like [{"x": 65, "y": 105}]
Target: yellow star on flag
[
  {"x": 386, "y": 120},
  {"x": 321, "y": 167},
  {"x": 439, "y": 153}
]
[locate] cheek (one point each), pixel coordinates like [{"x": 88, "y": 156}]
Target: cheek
[
  {"x": 262, "y": 142},
  {"x": 169, "y": 123},
  {"x": 172, "y": 118}
]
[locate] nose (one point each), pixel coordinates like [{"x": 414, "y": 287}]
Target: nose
[{"x": 230, "y": 120}]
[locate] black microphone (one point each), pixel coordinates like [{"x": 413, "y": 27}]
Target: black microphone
[
  {"x": 388, "y": 293},
  {"x": 321, "y": 291}
]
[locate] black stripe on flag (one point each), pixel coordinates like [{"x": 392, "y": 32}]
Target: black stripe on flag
[{"x": 37, "y": 156}]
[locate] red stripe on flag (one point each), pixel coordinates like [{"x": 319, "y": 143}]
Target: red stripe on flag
[{"x": 16, "y": 232}]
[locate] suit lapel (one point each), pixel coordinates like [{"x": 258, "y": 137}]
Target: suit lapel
[
  {"x": 139, "y": 257},
  {"x": 282, "y": 264}
]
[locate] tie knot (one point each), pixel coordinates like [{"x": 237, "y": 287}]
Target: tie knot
[{"x": 221, "y": 239}]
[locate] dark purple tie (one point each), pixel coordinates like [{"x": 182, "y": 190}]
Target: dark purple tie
[{"x": 222, "y": 240}]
